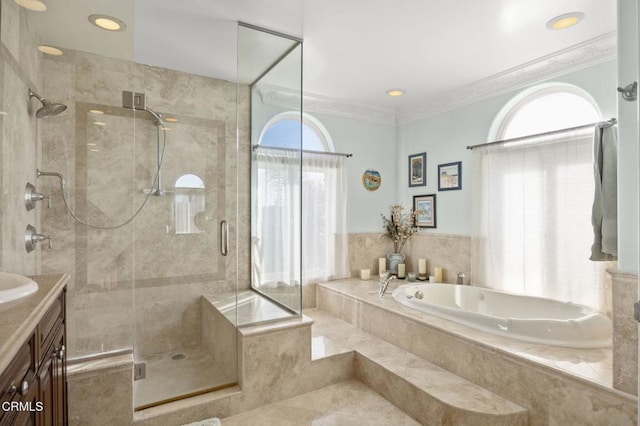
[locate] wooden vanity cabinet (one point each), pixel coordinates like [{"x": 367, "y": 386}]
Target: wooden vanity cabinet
[{"x": 37, "y": 375}]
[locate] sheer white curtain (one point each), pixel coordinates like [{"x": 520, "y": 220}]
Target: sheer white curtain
[
  {"x": 532, "y": 219},
  {"x": 276, "y": 236},
  {"x": 324, "y": 218},
  {"x": 278, "y": 249}
]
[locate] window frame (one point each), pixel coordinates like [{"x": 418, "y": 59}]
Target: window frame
[
  {"x": 307, "y": 120},
  {"x": 518, "y": 102}
]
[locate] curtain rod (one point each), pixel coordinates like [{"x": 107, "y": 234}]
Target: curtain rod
[
  {"x": 279, "y": 148},
  {"x": 610, "y": 123}
]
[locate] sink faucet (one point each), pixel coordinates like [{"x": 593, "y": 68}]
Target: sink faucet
[{"x": 383, "y": 286}]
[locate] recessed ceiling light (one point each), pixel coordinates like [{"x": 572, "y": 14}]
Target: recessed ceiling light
[
  {"x": 108, "y": 23},
  {"x": 50, "y": 50},
  {"x": 96, "y": 111},
  {"x": 171, "y": 120},
  {"x": 35, "y": 5},
  {"x": 395, "y": 92},
  {"x": 564, "y": 21},
  {"x": 92, "y": 144}
]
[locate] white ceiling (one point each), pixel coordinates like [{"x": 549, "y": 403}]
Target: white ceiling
[{"x": 353, "y": 49}]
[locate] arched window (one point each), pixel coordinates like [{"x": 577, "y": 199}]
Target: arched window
[
  {"x": 294, "y": 191},
  {"x": 532, "y": 229},
  {"x": 545, "y": 108},
  {"x": 283, "y": 131}
]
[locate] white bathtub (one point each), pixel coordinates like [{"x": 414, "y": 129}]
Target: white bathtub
[{"x": 531, "y": 319}]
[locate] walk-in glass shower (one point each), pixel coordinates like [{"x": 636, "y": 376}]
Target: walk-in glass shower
[{"x": 160, "y": 257}]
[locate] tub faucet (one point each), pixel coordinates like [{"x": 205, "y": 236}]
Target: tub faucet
[
  {"x": 460, "y": 278},
  {"x": 383, "y": 286}
]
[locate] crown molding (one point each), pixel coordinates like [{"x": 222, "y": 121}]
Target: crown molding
[
  {"x": 288, "y": 98},
  {"x": 591, "y": 52}
]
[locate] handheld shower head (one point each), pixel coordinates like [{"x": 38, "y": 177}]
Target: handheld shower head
[{"x": 48, "y": 109}]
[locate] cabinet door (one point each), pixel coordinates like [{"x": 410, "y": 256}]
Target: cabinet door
[
  {"x": 53, "y": 384},
  {"x": 60, "y": 379},
  {"x": 29, "y": 416},
  {"x": 45, "y": 379}
]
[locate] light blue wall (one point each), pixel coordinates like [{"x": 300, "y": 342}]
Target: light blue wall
[
  {"x": 373, "y": 147},
  {"x": 444, "y": 138}
]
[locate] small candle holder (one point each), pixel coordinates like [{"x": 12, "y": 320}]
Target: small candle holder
[{"x": 422, "y": 277}]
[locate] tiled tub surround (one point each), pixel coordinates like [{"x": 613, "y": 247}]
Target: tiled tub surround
[
  {"x": 556, "y": 385},
  {"x": 450, "y": 252},
  {"x": 625, "y": 338}
]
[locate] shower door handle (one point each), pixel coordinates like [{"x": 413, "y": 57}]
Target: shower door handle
[{"x": 224, "y": 238}]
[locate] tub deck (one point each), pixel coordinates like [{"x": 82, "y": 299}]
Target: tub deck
[{"x": 593, "y": 365}]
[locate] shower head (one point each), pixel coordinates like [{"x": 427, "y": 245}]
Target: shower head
[{"x": 48, "y": 109}]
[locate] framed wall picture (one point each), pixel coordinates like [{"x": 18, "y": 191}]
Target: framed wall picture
[
  {"x": 418, "y": 169},
  {"x": 425, "y": 206},
  {"x": 450, "y": 176}
]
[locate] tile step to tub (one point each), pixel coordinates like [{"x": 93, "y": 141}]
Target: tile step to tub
[{"x": 428, "y": 393}]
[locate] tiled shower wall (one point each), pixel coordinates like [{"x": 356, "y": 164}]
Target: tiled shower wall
[
  {"x": 20, "y": 69},
  {"x": 141, "y": 282}
]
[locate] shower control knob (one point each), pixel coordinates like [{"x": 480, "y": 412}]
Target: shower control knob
[
  {"x": 32, "y": 238},
  {"x": 31, "y": 196}
]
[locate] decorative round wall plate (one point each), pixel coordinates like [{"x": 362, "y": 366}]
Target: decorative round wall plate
[{"x": 371, "y": 180}]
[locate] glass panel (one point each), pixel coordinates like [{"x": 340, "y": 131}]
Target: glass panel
[
  {"x": 271, "y": 67},
  {"x": 148, "y": 275}
]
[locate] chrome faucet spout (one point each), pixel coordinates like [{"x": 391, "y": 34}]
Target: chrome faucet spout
[
  {"x": 55, "y": 174},
  {"x": 383, "y": 286},
  {"x": 460, "y": 279}
]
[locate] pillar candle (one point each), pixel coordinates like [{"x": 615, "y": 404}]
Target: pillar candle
[
  {"x": 437, "y": 272},
  {"x": 365, "y": 274},
  {"x": 422, "y": 266},
  {"x": 382, "y": 264},
  {"x": 401, "y": 270}
]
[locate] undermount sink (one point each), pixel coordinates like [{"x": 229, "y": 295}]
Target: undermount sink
[{"x": 14, "y": 287}]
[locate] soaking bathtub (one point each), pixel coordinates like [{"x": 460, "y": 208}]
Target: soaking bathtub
[{"x": 526, "y": 318}]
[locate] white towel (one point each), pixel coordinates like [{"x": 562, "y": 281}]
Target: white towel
[{"x": 604, "y": 215}]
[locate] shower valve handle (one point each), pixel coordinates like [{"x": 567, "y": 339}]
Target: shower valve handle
[{"x": 40, "y": 237}]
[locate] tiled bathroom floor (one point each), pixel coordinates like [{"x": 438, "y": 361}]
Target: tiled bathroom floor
[
  {"x": 346, "y": 403},
  {"x": 168, "y": 378}
]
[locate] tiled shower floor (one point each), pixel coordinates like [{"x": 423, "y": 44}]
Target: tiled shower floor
[{"x": 168, "y": 378}]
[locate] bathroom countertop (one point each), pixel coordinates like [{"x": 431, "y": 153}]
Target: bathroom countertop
[{"x": 18, "y": 319}]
